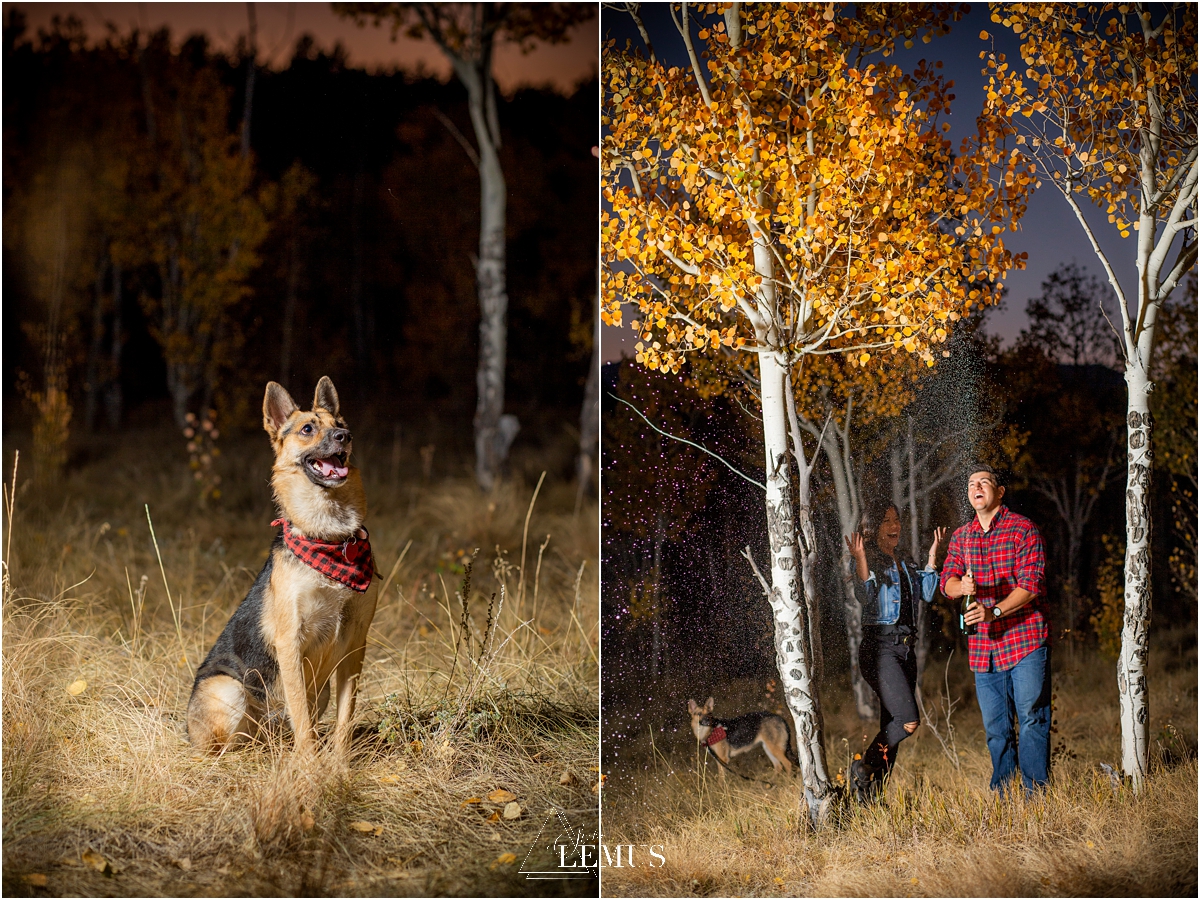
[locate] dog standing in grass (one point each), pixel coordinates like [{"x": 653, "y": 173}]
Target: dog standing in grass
[
  {"x": 306, "y": 617},
  {"x": 730, "y": 737}
]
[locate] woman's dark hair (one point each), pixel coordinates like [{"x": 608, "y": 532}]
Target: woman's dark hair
[{"x": 877, "y": 561}]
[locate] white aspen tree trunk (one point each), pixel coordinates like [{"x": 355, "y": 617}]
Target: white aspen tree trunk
[
  {"x": 494, "y": 431},
  {"x": 797, "y": 617},
  {"x": 794, "y": 652},
  {"x": 914, "y": 521},
  {"x": 849, "y": 515},
  {"x": 1131, "y": 664},
  {"x": 1154, "y": 245}
]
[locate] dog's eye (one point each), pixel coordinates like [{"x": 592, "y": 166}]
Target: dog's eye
[{"x": 307, "y": 429}]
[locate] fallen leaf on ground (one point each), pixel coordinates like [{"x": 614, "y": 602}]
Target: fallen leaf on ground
[
  {"x": 185, "y": 863},
  {"x": 566, "y": 778},
  {"x": 494, "y": 817},
  {"x": 504, "y": 859},
  {"x": 94, "y": 860},
  {"x": 307, "y": 820},
  {"x": 367, "y": 827},
  {"x": 512, "y": 810},
  {"x": 500, "y": 795},
  {"x": 389, "y": 779},
  {"x": 37, "y": 879},
  {"x": 471, "y": 800},
  {"x": 75, "y": 688}
]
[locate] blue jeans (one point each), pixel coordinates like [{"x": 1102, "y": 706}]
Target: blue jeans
[{"x": 1021, "y": 693}]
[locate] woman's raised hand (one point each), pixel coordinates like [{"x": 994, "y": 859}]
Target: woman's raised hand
[
  {"x": 939, "y": 535},
  {"x": 854, "y": 543}
]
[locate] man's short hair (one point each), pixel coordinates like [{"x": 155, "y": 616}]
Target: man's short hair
[{"x": 984, "y": 467}]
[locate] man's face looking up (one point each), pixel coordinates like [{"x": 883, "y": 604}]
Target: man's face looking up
[{"x": 983, "y": 493}]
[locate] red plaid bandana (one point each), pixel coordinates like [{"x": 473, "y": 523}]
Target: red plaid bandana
[
  {"x": 348, "y": 562},
  {"x": 716, "y": 735}
]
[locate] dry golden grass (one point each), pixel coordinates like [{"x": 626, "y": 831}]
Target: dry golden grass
[
  {"x": 939, "y": 831},
  {"x": 106, "y": 776}
]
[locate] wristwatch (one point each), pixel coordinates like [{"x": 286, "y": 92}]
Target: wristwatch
[{"x": 996, "y": 611}]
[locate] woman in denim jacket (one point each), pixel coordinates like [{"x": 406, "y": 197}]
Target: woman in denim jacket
[{"x": 888, "y": 589}]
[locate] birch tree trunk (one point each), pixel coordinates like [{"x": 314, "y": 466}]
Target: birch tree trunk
[
  {"x": 795, "y": 651},
  {"x": 914, "y": 524},
  {"x": 494, "y": 431},
  {"x": 849, "y": 507},
  {"x": 1131, "y": 664},
  {"x": 1155, "y": 241}
]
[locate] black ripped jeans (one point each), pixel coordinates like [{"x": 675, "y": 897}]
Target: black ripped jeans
[{"x": 889, "y": 664}]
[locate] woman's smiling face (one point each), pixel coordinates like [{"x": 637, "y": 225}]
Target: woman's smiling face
[{"x": 887, "y": 535}]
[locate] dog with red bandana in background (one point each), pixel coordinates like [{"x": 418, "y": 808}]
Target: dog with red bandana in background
[
  {"x": 305, "y": 620},
  {"x": 725, "y": 738}
]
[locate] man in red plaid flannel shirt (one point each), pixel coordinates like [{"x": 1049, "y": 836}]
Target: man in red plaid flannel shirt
[{"x": 999, "y": 558}]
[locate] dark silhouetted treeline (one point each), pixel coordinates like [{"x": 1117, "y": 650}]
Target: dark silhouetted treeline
[{"x": 155, "y": 265}]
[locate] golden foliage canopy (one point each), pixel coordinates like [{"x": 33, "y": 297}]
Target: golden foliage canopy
[
  {"x": 804, "y": 146},
  {"x": 1105, "y": 98}
]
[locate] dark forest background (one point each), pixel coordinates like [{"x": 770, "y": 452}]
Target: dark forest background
[{"x": 162, "y": 259}]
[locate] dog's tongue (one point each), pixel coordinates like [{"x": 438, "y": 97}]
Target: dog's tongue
[{"x": 330, "y": 468}]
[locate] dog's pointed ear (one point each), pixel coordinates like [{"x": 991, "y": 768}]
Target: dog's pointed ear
[
  {"x": 326, "y": 396},
  {"x": 708, "y": 705},
  {"x": 692, "y": 707},
  {"x": 278, "y": 407}
]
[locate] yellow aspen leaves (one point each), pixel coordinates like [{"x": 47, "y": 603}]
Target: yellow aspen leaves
[
  {"x": 94, "y": 860},
  {"x": 1094, "y": 75},
  {"x": 855, "y": 194}
]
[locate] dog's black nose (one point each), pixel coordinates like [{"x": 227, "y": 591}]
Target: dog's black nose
[{"x": 341, "y": 437}]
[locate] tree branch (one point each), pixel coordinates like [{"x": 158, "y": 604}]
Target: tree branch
[
  {"x": 684, "y": 27},
  {"x": 1112, "y": 276},
  {"x": 673, "y": 437},
  {"x": 458, "y": 136},
  {"x": 757, "y": 574}
]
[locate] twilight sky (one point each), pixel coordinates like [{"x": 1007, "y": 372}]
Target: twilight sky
[
  {"x": 280, "y": 24},
  {"x": 1049, "y": 232}
]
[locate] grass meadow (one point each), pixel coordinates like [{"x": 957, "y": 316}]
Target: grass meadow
[
  {"x": 465, "y": 709},
  {"x": 939, "y": 830}
]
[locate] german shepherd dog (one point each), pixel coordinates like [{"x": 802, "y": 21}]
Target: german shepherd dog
[
  {"x": 306, "y": 617},
  {"x": 731, "y": 737}
]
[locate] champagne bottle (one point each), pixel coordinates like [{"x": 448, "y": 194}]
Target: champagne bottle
[{"x": 968, "y": 600}]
